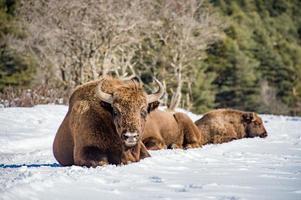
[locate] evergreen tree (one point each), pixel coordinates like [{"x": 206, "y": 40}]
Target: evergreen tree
[
  {"x": 15, "y": 69},
  {"x": 261, "y": 53},
  {"x": 236, "y": 79}
]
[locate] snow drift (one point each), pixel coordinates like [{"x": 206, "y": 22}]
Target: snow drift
[{"x": 256, "y": 168}]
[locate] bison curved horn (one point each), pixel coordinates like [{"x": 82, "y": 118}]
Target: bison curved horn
[
  {"x": 128, "y": 78},
  {"x": 103, "y": 95},
  {"x": 253, "y": 116},
  {"x": 156, "y": 96}
]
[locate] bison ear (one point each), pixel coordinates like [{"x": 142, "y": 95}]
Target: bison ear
[
  {"x": 248, "y": 117},
  {"x": 152, "y": 106}
]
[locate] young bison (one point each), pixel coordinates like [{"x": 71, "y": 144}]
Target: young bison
[
  {"x": 167, "y": 130},
  {"x": 224, "y": 125},
  {"x": 105, "y": 123}
]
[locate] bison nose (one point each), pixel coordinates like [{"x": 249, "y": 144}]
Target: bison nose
[
  {"x": 265, "y": 134},
  {"x": 130, "y": 138}
]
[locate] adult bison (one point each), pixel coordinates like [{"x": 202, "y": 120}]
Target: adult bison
[
  {"x": 224, "y": 125},
  {"x": 169, "y": 130},
  {"x": 105, "y": 123}
]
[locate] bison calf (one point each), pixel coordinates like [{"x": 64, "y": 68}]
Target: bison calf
[
  {"x": 167, "y": 130},
  {"x": 224, "y": 125}
]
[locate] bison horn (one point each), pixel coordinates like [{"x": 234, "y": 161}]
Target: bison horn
[
  {"x": 253, "y": 116},
  {"x": 103, "y": 95},
  {"x": 156, "y": 96},
  {"x": 128, "y": 78}
]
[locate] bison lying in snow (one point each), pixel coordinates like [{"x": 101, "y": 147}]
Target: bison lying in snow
[
  {"x": 224, "y": 125},
  {"x": 105, "y": 123},
  {"x": 166, "y": 130}
]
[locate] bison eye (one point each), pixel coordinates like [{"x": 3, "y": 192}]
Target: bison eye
[
  {"x": 143, "y": 113},
  {"x": 115, "y": 112}
]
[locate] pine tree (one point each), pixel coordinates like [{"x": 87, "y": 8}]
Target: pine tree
[
  {"x": 258, "y": 62},
  {"x": 15, "y": 69}
]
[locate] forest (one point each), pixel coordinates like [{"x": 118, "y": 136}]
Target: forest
[{"x": 208, "y": 53}]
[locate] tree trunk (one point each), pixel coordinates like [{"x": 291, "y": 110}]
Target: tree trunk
[{"x": 176, "y": 97}]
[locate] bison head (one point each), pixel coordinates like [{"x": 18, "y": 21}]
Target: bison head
[
  {"x": 130, "y": 106},
  {"x": 254, "y": 125}
]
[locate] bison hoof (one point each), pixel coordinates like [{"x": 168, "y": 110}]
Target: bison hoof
[
  {"x": 174, "y": 146},
  {"x": 190, "y": 146},
  {"x": 103, "y": 163}
]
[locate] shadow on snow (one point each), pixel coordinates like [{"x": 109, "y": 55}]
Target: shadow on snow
[{"x": 29, "y": 165}]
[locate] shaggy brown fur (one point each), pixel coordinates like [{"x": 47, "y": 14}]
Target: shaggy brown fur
[
  {"x": 92, "y": 132},
  {"x": 167, "y": 130},
  {"x": 224, "y": 125}
]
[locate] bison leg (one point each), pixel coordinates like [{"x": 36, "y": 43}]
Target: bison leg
[
  {"x": 143, "y": 152},
  {"x": 191, "y": 135},
  {"x": 114, "y": 158},
  {"x": 127, "y": 158},
  {"x": 175, "y": 146},
  {"x": 189, "y": 130},
  {"x": 135, "y": 154},
  {"x": 154, "y": 144},
  {"x": 192, "y": 145},
  {"x": 218, "y": 139},
  {"x": 90, "y": 156}
]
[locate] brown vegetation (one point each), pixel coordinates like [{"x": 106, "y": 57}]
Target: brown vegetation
[
  {"x": 77, "y": 41},
  {"x": 42, "y": 94}
]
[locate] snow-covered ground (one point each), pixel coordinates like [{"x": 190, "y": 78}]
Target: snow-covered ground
[{"x": 256, "y": 168}]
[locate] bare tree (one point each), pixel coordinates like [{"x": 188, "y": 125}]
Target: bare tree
[
  {"x": 269, "y": 98},
  {"x": 183, "y": 30},
  {"x": 75, "y": 41},
  {"x": 81, "y": 39}
]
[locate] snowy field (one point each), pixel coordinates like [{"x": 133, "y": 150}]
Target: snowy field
[{"x": 256, "y": 168}]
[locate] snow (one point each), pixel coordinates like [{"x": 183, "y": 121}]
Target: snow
[{"x": 255, "y": 168}]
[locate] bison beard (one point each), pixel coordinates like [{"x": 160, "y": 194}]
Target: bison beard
[{"x": 105, "y": 123}]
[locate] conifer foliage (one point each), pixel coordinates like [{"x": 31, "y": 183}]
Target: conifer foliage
[
  {"x": 258, "y": 64},
  {"x": 15, "y": 69}
]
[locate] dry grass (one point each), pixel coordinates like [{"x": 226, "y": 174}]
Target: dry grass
[{"x": 16, "y": 97}]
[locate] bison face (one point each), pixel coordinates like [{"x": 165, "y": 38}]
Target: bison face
[
  {"x": 254, "y": 125},
  {"x": 130, "y": 106},
  {"x": 129, "y": 114}
]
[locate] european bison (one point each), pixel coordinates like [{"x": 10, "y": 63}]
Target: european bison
[
  {"x": 224, "y": 125},
  {"x": 105, "y": 123},
  {"x": 167, "y": 130}
]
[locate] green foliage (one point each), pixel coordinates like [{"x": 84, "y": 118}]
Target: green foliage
[
  {"x": 236, "y": 79},
  {"x": 262, "y": 45},
  {"x": 203, "y": 91},
  {"x": 15, "y": 69}
]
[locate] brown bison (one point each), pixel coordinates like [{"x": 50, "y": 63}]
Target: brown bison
[
  {"x": 224, "y": 125},
  {"x": 167, "y": 130},
  {"x": 105, "y": 123}
]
